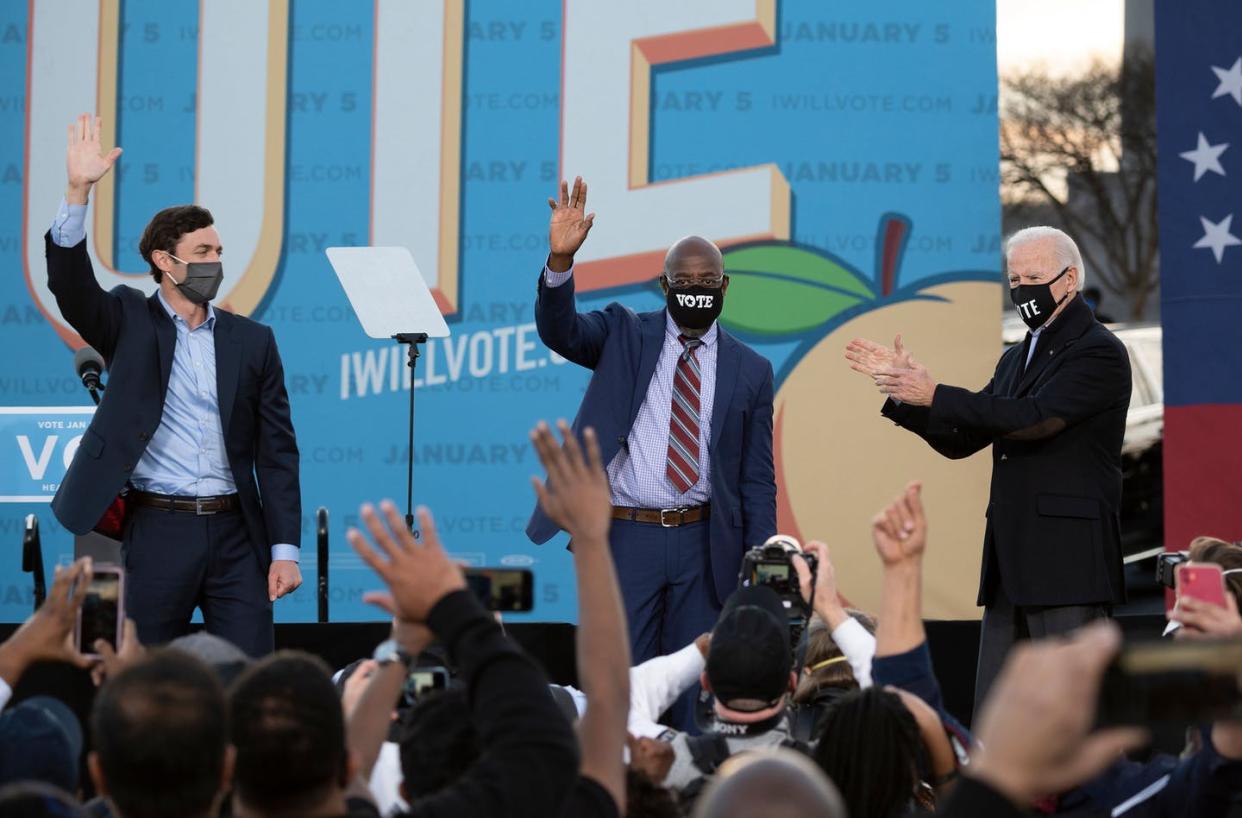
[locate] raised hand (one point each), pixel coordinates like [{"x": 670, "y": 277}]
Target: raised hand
[
  {"x": 86, "y": 161},
  {"x": 1035, "y": 729},
  {"x": 576, "y": 496},
  {"x": 417, "y": 576},
  {"x": 569, "y": 224},
  {"x": 900, "y": 530},
  {"x": 47, "y": 634}
]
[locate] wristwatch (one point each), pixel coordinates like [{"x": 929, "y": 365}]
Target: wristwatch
[{"x": 390, "y": 651}]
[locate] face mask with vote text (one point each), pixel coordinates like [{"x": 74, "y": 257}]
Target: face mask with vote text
[
  {"x": 695, "y": 307},
  {"x": 1035, "y": 302}
]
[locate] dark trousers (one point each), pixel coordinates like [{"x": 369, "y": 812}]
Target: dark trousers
[
  {"x": 176, "y": 562},
  {"x": 667, "y": 588},
  {"x": 1005, "y": 623}
]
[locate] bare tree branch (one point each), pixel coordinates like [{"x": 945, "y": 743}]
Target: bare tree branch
[{"x": 1097, "y": 131}]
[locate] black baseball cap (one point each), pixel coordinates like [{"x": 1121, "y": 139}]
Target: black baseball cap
[
  {"x": 750, "y": 659},
  {"x": 40, "y": 740}
]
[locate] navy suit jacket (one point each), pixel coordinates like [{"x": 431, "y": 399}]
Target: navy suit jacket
[
  {"x": 622, "y": 347},
  {"x": 136, "y": 338}
]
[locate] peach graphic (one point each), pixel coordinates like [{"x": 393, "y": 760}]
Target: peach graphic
[{"x": 837, "y": 460}]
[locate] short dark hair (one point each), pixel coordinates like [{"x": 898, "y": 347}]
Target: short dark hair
[
  {"x": 289, "y": 732},
  {"x": 160, "y": 728},
  {"x": 646, "y": 799},
  {"x": 439, "y": 742},
  {"x": 166, "y": 229},
  {"x": 870, "y": 747}
]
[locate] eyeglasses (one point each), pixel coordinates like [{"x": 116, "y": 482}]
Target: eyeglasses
[{"x": 695, "y": 281}]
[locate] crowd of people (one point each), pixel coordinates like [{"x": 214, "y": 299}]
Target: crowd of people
[{"x": 850, "y": 723}]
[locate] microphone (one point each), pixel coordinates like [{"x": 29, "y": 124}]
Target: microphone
[{"x": 89, "y": 365}]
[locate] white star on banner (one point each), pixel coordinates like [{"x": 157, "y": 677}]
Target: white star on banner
[
  {"x": 1230, "y": 81},
  {"x": 1206, "y": 157},
  {"x": 1216, "y": 237}
]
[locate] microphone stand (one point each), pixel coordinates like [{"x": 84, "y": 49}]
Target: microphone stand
[{"x": 412, "y": 341}]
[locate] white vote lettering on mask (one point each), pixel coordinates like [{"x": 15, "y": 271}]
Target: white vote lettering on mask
[
  {"x": 1029, "y": 309},
  {"x": 696, "y": 301}
]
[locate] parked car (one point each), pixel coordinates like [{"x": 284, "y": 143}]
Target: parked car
[{"x": 1142, "y": 450}]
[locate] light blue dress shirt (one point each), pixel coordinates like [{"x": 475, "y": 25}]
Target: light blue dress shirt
[
  {"x": 186, "y": 455},
  {"x": 1030, "y": 351}
]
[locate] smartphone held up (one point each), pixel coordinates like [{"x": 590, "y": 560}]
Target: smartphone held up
[
  {"x": 502, "y": 589},
  {"x": 102, "y": 615}
]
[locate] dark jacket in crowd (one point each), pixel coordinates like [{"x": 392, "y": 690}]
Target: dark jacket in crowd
[
  {"x": 529, "y": 761},
  {"x": 1201, "y": 786}
]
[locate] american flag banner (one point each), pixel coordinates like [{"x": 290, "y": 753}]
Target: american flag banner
[{"x": 1199, "y": 126}]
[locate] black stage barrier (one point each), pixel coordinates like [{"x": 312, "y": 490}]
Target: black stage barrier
[{"x": 954, "y": 648}]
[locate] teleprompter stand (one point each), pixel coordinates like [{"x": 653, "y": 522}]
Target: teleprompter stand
[{"x": 391, "y": 299}]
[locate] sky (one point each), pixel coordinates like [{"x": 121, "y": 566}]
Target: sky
[{"x": 1063, "y": 35}]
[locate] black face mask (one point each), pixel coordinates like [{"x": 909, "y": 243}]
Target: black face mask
[
  {"x": 1035, "y": 302},
  {"x": 695, "y": 307},
  {"x": 202, "y": 280}
]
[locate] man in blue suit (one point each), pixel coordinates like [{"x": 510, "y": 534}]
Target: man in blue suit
[
  {"x": 194, "y": 425},
  {"x": 683, "y": 413}
]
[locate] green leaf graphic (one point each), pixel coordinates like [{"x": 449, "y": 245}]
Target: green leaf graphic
[{"x": 778, "y": 289}]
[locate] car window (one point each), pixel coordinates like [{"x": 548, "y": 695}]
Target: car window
[
  {"x": 1140, "y": 393},
  {"x": 1153, "y": 355}
]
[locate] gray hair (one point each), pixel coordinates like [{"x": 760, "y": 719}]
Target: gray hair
[
  {"x": 774, "y": 782},
  {"x": 1063, "y": 247}
]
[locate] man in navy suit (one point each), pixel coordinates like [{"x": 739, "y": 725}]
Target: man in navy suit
[
  {"x": 683, "y": 412},
  {"x": 194, "y": 425}
]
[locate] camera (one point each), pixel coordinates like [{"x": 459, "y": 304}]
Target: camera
[
  {"x": 1166, "y": 567},
  {"x": 771, "y": 564}
]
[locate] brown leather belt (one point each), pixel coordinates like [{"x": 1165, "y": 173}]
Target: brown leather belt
[
  {"x": 667, "y": 517},
  {"x": 188, "y": 505}
]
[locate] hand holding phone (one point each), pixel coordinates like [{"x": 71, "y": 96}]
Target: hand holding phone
[{"x": 1164, "y": 681}]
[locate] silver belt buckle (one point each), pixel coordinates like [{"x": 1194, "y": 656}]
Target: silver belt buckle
[
  {"x": 198, "y": 508},
  {"x": 666, "y": 524}
]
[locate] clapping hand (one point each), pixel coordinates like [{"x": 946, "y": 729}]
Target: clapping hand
[
  {"x": 912, "y": 384},
  {"x": 576, "y": 495},
  {"x": 869, "y": 358},
  {"x": 417, "y": 575},
  {"x": 569, "y": 224},
  {"x": 86, "y": 161}
]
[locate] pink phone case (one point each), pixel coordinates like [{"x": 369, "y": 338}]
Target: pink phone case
[{"x": 1202, "y": 582}]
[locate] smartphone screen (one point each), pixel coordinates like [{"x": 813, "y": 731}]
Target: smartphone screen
[
  {"x": 502, "y": 589},
  {"x": 1202, "y": 581},
  {"x": 100, "y": 617},
  {"x": 422, "y": 680},
  {"x": 767, "y": 571}
]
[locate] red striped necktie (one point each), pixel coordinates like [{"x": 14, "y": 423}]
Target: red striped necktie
[{"x": 682, "y": 468}]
